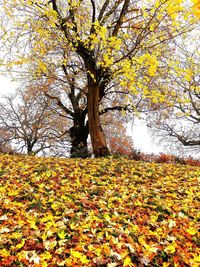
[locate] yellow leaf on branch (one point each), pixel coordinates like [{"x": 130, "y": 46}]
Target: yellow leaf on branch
[{"x": 196, "y": 8}]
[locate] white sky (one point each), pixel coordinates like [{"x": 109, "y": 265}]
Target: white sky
[
  {"x": 7, "y": 86},
  {"x": 142, "y": 139}
]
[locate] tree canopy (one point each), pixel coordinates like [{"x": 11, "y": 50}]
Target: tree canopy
[
  {"x": 118, "y": 45},
  {"x": 30, "y": 124}
]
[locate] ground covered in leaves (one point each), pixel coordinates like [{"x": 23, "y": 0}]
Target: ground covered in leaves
[{"x": 98, "y": 212}]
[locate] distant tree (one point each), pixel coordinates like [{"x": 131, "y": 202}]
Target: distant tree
[
  {"x": 177, "y": 122},
  {"x": 30, "y": 124},
  {"x": 115, "y": 128},
  {"x": 69, "y": 99},
  {"x": 5, "y": 146}
]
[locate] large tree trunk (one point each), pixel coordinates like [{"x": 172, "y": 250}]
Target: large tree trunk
[
  {"x": 79, "y": 134},
  {"x": 94, "y": 76},
  {"x": 98, "y": 140},
  {"x": 29, "y": 147}
]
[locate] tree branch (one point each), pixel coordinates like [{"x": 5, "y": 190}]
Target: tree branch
[
  {"x": 93, "y": 15},
  {"x": 59, "y": 103},
  {"x": 103, "y": 9},
  {"x": 120, "y": 20},
  {"x": 118, "y": 108}
]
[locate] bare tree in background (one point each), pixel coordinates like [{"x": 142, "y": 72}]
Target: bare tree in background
[
  {"x": 31, "y": 125},
  {"x": 5, "y": 146}
]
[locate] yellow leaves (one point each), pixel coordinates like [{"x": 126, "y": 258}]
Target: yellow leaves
[
  {"x": 14, "y": 63},
  {"x": 106, "y": 249},
  {"x": 47, "y": 217},
  {"x": 197, "y": 258},
  {"x": 44, "y": 264},
  {"x": 79, "y": 255},
  {"x": 108, "y": 45},
  {"x": 55, "y": 206},
  {"x": 196, "y": 8},
  {"x": 127, "y": 262},
  {"x": 45, "y": 256},
  {"x": 107, "y": 217},
  {"x": 62, "y": 234},
  {"x": 4, "y": 253},
  {"x": 114, "y": 43},
  {"x": 74, "y": 3},
  {"x": 141, "y": 240},
  {"x": 49, "y": 245},
  {"x": 72, "y": 226},
  {"x": 91, "y": 75},
  {"x": 155, "y": 95},
  {"x": 160, "y": 16},
  {"x": 16, "y": 235},
  {"x": 145, "y": 14},
  {"x": 47, "y": 233},
  {"x": 138, "y": 203},
  {"x": 152, "y": 70},
  {"x": 32, "y": 224},
  {"x": 188, "y": 74},
  {"x": 107, "y": 61},
  {"x": 149, "y": 248},
  {"x": 173, "y": 8},
  {"x": 134, "y": 228},
  {"x": 105, "y": 226},
  {"x": 98, "y": 37},
  {"x": 126, "y": 74},
  {"x": 192, "y": 231},
  {"x": 150, "y": 61},
  {"x": 42, "y": 67},
  {"x": 20, "y": 245},
  {"x": 171, "y": 248},
  {"x": 52, "y": 15}
]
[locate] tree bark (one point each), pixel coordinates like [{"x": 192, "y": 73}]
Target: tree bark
[
  {"x": 95, "y": 92},
  {"x": 98, "y": 139},
  {"x": 79, "y": 134},
  {"x": 29, "y": 147}
]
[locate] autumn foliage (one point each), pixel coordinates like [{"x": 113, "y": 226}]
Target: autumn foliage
[
  {"x": 164, "y": 158},
  {"x": 98, "y": 212}
]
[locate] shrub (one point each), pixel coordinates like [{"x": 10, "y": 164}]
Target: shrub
[{"x": 165, "y": 158}]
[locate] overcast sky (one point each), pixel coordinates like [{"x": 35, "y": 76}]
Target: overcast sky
[
  {"x": 7, "y": 86},
  {"x": 141, "y": 138}
]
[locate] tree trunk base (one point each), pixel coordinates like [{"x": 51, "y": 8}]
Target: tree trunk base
[{"x": 101, "y": 152}]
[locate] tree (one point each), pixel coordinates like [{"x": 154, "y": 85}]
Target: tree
[
  {"x": 69, "y": 97},
  {"x": 30, "y": 124},
  {"x": 179, "y": 121},
  {"x": 75, "y": 111},
  {"x": 119, "y": 42},
  {"x": 119, "y": 142},
  {"x": 5, "y": 146}
]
